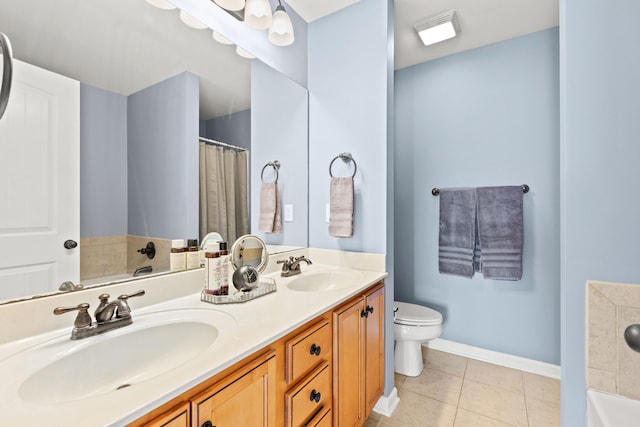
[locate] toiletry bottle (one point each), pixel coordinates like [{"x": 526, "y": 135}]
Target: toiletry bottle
[
  {"x": 224, "y": 268},
  {"x": 212, "y": 285},
  {"x": 193, "y": 256},
  {"x": 177, "y": 260}
]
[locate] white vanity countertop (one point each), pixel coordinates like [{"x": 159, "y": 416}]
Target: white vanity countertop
[{"x": 257, "y": 323}]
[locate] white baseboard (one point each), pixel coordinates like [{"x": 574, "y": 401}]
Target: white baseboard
[
  {"x": 387, "y": 404},
  {"x": 503, "y": 359}
]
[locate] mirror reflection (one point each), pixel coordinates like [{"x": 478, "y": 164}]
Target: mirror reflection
[{"x": 145, "y": 113}]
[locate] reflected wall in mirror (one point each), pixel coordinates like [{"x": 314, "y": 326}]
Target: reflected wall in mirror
[{"x": 137, "y": 90}]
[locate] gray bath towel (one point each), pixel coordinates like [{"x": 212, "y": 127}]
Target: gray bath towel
[
  {"x": 501, "y": 232},
  {"x": 457, "y": 237}
]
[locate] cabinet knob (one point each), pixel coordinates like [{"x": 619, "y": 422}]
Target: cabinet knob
[
  {"x": 207, "y": 424},
  {"x": 315, "y": 349},
  {"x": 370, "y": 309},
  {"x": 364, "y": 313},
  {"x": 315, "y": 395}
]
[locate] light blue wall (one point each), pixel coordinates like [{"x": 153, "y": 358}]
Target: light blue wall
[
  {"x": 350, "y": 82},
  {"x": 279, "y": 129},
  {"x": 348, "y": 112},
  {"x": 600, "y": 94},
  {"x": 103, "y": 162},
  {"x": 233, "y": 129},
  {"x": 163, "y": 159},
  {"x": 485, "y": 117}
]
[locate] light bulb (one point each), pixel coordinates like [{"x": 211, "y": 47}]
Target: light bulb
[
  {"x": 233, "y": 5},
  {"x": 257, "y": 14},
  {"x": 281, "y": 31},
  {"x": 161, "y": 4},
  {"x": 191, "y": 21},
  {"x": 243, "y": 53},
  {"x": 220, "y": 38}
]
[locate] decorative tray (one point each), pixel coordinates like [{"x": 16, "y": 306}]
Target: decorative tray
[{"x": 266, "y": 285}]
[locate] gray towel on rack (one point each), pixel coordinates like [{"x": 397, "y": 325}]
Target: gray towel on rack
[
  {"x": 501, "y": 232},
  {"x": 269, "y": 220},
  {"x": 341, "y": 207},
  {"x": 457, "y": 237}
]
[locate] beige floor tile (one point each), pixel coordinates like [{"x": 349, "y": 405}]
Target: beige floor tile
[
  {"x": 494, "y": 402},
  {"x": 495, "y": 375},
  {"x": 444, "y": 362},
  {"x": 542, "y": 388},
  {"x": 466, "y": 418},
  {"x": 436, "y": 385},
  {"x": 371, "y": 422},
  {"x": 399, "y": 379},
  {"x": 415, "y": 410},
  {"x": 543, "y": 413}
]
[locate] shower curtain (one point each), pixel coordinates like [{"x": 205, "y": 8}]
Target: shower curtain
[{"x": 223, "y": 192}]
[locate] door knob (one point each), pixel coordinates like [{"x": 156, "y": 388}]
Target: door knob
[{"x": 70, "y": 244}]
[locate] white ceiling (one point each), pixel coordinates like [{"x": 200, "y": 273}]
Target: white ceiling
[{"x": 482, "y": 22}]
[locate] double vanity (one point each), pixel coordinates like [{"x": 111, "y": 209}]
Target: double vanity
[{"x": 310, "y": 353}]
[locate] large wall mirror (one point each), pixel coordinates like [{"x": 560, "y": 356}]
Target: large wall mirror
[{"x": 143, "y": 98}]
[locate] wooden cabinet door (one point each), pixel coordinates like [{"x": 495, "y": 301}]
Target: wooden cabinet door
[
  {"x": 178, "y": 417},
  {"x": 247, "y": 398},
  {"x": 374, "y": 348},
  {"x": 348, "y": 370}
]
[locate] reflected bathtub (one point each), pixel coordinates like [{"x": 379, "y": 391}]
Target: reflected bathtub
[{"x": 611, "y": 410}]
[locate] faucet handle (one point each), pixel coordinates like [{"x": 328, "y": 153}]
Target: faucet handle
[
  {"x": 83, "y": 319},
  {"x": 135, "y": 294}
]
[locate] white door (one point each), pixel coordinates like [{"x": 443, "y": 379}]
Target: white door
[{"x": 39, "y": 183}]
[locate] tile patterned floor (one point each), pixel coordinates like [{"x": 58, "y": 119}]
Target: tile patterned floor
[{"x": 454, "y": 391}]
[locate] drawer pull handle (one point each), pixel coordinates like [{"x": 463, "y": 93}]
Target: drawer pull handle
[
  {"x": 315, "y": 349},
  {"x": 315, "y": 395}
]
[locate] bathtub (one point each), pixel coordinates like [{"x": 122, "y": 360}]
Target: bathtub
[{"x": 611, "y": 410}]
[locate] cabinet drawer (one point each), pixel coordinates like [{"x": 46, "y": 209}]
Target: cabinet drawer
[
  {"x": 321, "y": 419},
  {"x": 309, "y": 397},
  {"x": 307, "y": 350}
]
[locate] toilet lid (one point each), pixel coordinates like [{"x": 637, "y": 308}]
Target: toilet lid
[{"x": 414, "y": 314}]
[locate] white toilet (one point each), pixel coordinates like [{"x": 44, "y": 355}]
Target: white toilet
[{"x": 412, "y": 325}]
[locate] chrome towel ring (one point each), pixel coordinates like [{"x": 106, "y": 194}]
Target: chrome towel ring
[
  {"x": 275, "y": 165},
  {"x": 7, "y": 72},
  {"x": 346, "y": 157}
]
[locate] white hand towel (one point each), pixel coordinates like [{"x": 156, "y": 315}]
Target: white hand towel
[
  {"x": 270, "y": 218},
  {"x": 341, "y": 206}
]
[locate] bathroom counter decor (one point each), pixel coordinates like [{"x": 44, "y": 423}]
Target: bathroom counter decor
[{"x": 266, "y": 285}]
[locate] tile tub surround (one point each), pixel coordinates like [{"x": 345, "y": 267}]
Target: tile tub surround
[{"x": 611, "y": 366}]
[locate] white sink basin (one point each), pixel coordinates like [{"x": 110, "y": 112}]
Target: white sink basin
[
  {"x": 314, "y": 281},
  {"x": 62, "y": 370}
]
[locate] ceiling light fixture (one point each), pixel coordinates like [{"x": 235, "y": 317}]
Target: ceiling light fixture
[
  {"x": 438, "y": 28},
  {"x": 257, "y": 14},
  {"x": 161, "y": 4},
  {"x": 281, "y": 31},
  {"x": 191, "y": 21},
  {"x": 220, "y": 38},
  {"x": 233, "y": 5},
  {"x": 243, "y": 53}
]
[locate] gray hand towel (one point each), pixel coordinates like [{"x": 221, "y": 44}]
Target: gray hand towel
[
  {"x": 341, "y": 207},
  {"x": 457, "y": 231},
  {"x": 269, "y": 220},
  {"x": 501, "y": 231}
]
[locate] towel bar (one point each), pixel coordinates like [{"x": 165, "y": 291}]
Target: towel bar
[
  {"x": 275, "y": 165},
  {"x": 346, "y": 157},
  {"x": 436, "y": 191}
]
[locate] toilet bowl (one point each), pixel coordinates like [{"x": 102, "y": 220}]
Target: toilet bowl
[{"x": 412, "y": 325}]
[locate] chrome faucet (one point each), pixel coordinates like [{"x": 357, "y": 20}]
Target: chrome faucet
[
  {"x": 291, "y": 266},
  {"x": 109, "y": 315}
]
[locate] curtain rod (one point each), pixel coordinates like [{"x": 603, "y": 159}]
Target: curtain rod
[{"x": 222, "y": 144}]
